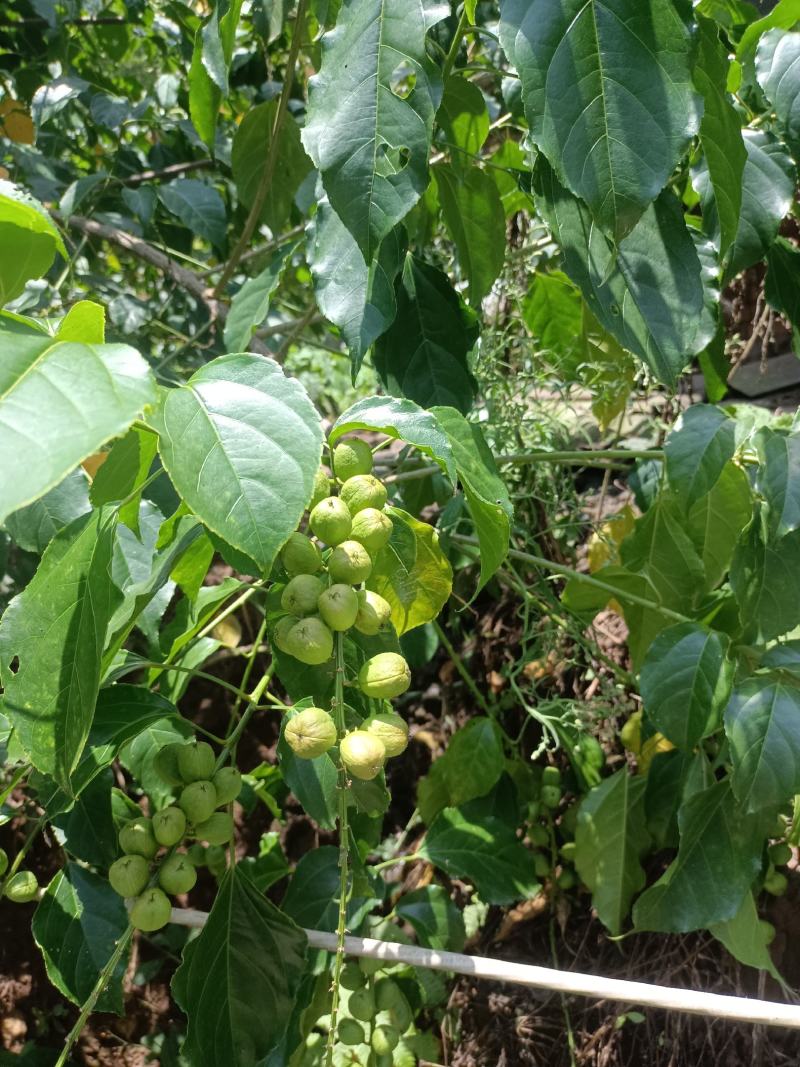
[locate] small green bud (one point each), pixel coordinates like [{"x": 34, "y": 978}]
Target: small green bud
[
  {"x": 177, "y": 875},
  {"x": 300, "y": 555},
  {"x": 310, "y": 641},
  {"x": 216, "y": 830},
  {"x": 384, "y": 676},
  {"x": 310, "y": 733},
  {"x": 372, "y": 529},
  {"x": 196, "y": 761},
  {"x": 390, "y": 729},
  {"x": 22, "y": 887},
  {"x": 169, "y": 826},
  {"x": 301, "y": 594},
  {"x": 350, "y": 562},
  {"x": 331, "y": 520},
  {"x": 129, "y": 875},
  {"x": 151, "y": 910},
  {"x": 198, "y": 801},
  {"x": 228, "y": 784},
  {"x": 136, "y": 838},
  {"x": 351, "y": 456},
  {"x": 363, "y": 491},
  {"x": 338, "y": 606},
  {"x": 362, "y": 754},
  {"x": 373, "y": 612},
  {"x": 166, "y": 763}
]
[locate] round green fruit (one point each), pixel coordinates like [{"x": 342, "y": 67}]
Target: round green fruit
[
  {"x": 373, "y": 612},
  {"x": 566, "y": 879},
  {"x": 363, "y": 491},
  {"x": 372, "y": 529},
  {"x": 351, "y": 977},
  {"x": 151, "y": 910},
  {"x": 780, "y": 854},
  {"x": 22, "y": 887},
  {"x": 196, "y": 855},
  {"x": 551, "y": 776},
  {"x": 198, "y": 801},
  {"x": 350, "y": 562},
  {"x": 166, "y": 763},
  {"x": 362, "y": 754},
  {"x": 301, "y": 594},
  {"x": 384, "y": 676},
  {"x": 550, "y": 796},
  {"x": 280, "y": 634},
  {"x": 322, "y": 488},
  {"x": 169, "y": 826},
  {"x": 228, "y": 784},
  {"x": 361, "y": 1005},
  {"x": 338, "y": 606},
  {"x": 216, "y": 830},
  {"x": 3, "y": 862},
  {"x": 568, "y": 851},
  {"x": 310, "y": 733},
  {"x": 385, "y": 1040},
  {"x": 539, "y": 836},
  {"x": 369, "y": 966},
  {"x": 351, "y": 457},
  {"x": 129, "y": 875},
  {"x": 776, "y": 883},
  {"x": 300, "y": 555},
  {"x": 310, "y": 641},
  {"x": 541, "y": 865},
  {"x": 196, "y": 761},
  {"x": 177, "y": 875},
  {"x": 136, "y": 838},
  {"x": 390, "y": 998},
  {"x": 349, "y": 1032},
  {"x": 331, "y": 520},
  {"x": 569, "y": 820},
  {"x": 390, "y": 729},
  {"x": 216, "y": 860}
]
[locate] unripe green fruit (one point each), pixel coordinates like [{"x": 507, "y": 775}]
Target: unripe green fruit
[
  {"x": 169, "y": 826},
  {"x": 369, "y": 966},
  {"x": 22, "y": 887},
  {"x": 373, "y": 612},
  {"x": 569, "y": 820},
  {"x": 198, "y": 801},
  {"x": 280, "y": 635},
  {"x": 568, "y": 850},
  {"x": 3, "y": 862},
  {"x": 177, "y": 875},
  {"x": 541, "y": 865},
  {"x": 385, "y": 1040},
  {"x": 780, "y": 854},
  {"x": 362, "y": 754},
  {"x": 350, "y": 562},
  {"x": 566, "y": 880},
  {"x": 300, "y": 555},
  {"x": 361, "y": 1005},
  {"x": 550, "y": 796},
  {"x": 216, "y": 860},
  {"x": 228, "y": 784},
  {"x": 351, "y": 457},
  {"x": 310, "y": 733},
  {"x": 310, "y": 641},
  {"x": 301, "y": 594},
  {"x": 217, "y": 829},
  {"x": 390, "y": 729},
  {"x": 137, "y": 838},
  {"x": 196, "y": 855},
  {"x": 376, "y": 1059},
  {"x": 322, "y": 488},
  {"x": 349, "y": 1032},
  {"x": 338, "y": 606},
  {"x": 129, "y": 875},
  {"x": 776, "y": 883},
  {"x": 551, "y": 776},
  {"x": 768, "y": 930},
  {"x": 331, "y": 520},
  {"x": 151, "y": 911},
  {"x": 363, "y": 491},
  {"x": 196, "y": 761},
  {"x": 539, "y": 836},
  {"x": 166, "y": 763},
  {"x": 384, "y": 676},
  {"x": 390, "y": 998},
  {"x": 351, "y": 977},
  {"x": 373, "y": 529}
]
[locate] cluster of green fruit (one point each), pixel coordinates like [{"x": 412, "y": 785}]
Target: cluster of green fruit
[
  {"x": 775, "y": 881},
  {"x": 22, "y": 886},
  {"x": 554, "y": 844},
  {"x": 145, "y": 872}
]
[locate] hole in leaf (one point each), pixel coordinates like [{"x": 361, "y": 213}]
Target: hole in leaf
[
  {"x": 403, "y": 79},
  {"x": 14, "y": 665},
  {"x": 391, "y": 160}
]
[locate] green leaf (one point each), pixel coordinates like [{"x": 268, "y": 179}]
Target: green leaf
[
  {"x": 697, "y": 449},
  {"x": 762, "y": 724},
  {"x": 476, "y": 220},
  {"x": 313, "y": 781},
  {"x": 783, "y": 278},
  {"x": 124, "y": 471},
  {"x": 251, "y": 145},
  {"x": 487, "y": 853},
  {"x": 660, "y": 548},
  {"x": 436, "y": 920},
  {"x": 610, "y": 840},
  {"x": 718, "y": 859},
  {"x": 779, "y": 479},
  {"x": 716, "y": 521},
  {"x": 199, "y": 207},
  {"x": 765, "y": 579},
  {"x": 411, "y": 572},
  {"x": 685, "y": 682},
  {"x": 463, "y": 118},
  {"x": 474, "y": 760},
  {"x": 84, "y": 322},
  {"x": 250, "y": 306},
  {"x": 487, "y": 497},
  {"x": 242, "y": 444},
  {"x": 608, "y": 96},
  {"x": 720, "y": 132},
  {"x": 402, "y": 420},
  {"x": 649, "y": 292},
  {"x": 28, "y": 238},
  {"x": 52, "y": 637},
  {"x": 423, "y": 354},
  {"x": 208, "y": 74},
  {"x": 783, "y": 16},
  {"x": 312, "y": 899},
  {"x": 357, "y": 298},
  {"x": 367, "y": 136},
  {"x": 77, "y": 925},
  {"x": 88, "y": 829},
  {"x": 553, "y": 312},
  {"x": 34, "y": 526},
  {"x": 91, "y": 393},
  {"x": 746, "y": 937},
  {"x": 777, "y": 72},
  {"x": 238, "y": 979},
  {"x": 783, "y": 657}
]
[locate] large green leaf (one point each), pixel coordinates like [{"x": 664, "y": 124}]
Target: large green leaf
[
  {"x": 685, "y": 682},
  {"x": 476, "y": 220},
  {"x": 762, "y": 723},
  {"x": 436, "y": 920},
  {"x": 747, "y": 938},
  {"x": 474, "y": 760},
  {"x": 649, "y": 292},
  {"x": 87, "y": 831},
  {"x": 125, "y": 470},
  {"x": 779, "y": 479},
  {"x": 34, "y": 526},
  {"x": 553, "y": 312},
  {"x": 411, "y": 572},
  {"x": 718, "y": 859},
  {"x": 778, "y": 73},
  {"x": 368, "y": 137},
  {"x": 608, "y": 96},
  {"x": 423, "y": 354},
  {"x": 716, "y": 521},
  {"x": 697, "y": 449},
  {"x": 238, "y": 979},
  {"x": 784, "y": 15},
  {"x": 487, "y": 853},
  {"x": 487, "y": 497},
  {"x": 765, "y": 578},
  {"x": 28, "y": 238},
  {"x": 208, "y": 73},
  {"x": 90, "y": 394},
  {"x": 660, "y": 549},
  {"x": 783, "y": 279},
  {"x": 610, "y": 840},
  {"x": 242, "y": 444},
  {"x": 77, "y": 925},
  {"x": 198, "y": 206},
  {"x": 52, "y": 637},
  {"x": 250, "y": 306},
  {"x": 464, "y": 119}
]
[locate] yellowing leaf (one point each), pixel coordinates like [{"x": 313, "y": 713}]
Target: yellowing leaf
[{"x": 15, "y": 122}]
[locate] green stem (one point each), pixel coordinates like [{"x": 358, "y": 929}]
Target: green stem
[
  {"x": 196, "y": 674},
  {"x": 248, "y": 670},
  {"x": 344, "y": 855},
  {"x": 88, "y": 1007},
  {"x": 12, "y": 785},
  {"x": 410, "y": 858},
  {"x": 602, "y": 458},
  {"x": 458, "y": 36},
  {"x": 236, "y": 733},
  {"x": 16, "y": 863},
  {"x": 462, "y": 670}
]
